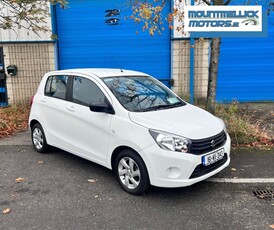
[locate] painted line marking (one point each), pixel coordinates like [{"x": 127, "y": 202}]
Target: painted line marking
[{"x": 241, "y": 180}]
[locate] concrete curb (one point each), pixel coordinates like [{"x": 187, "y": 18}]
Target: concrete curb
[{"x": 17, "y": 140}]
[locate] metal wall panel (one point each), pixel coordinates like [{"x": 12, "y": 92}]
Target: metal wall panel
[
  {"x": 246, "y": 68},
  {"x": 86, "y": 40}
]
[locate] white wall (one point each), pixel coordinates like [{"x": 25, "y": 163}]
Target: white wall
[{"x": 22, "y": 34}]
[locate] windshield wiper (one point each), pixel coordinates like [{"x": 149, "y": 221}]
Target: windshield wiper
[
  {"x": 159, "y": 107},
  {"x": 177, "y": 104}
]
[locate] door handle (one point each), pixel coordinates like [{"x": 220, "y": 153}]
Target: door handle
[
  {"x": 43, "y": 99},
  {"x": 71, "y": 108}
]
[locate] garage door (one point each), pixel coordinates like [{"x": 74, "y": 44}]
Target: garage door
[
  {"x": 246, "y": 69},
  {"x": 95, "y": 34}
]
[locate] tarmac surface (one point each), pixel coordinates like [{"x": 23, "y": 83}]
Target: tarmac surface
[
  {"x": 54, "y": 193},
  {"x": 245, "y": 163}
]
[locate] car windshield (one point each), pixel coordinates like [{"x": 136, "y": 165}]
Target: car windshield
[{"x": 142, "y": 93}]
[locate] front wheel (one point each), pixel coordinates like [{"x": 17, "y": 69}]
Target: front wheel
[
  {"x": 131, "y": 172},
  {"x": 39, "y": 139}
]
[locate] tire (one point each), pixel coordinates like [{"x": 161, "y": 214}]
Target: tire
[
  {"x": 131, "y": 172},
  {"x": 38, "y": 138}
]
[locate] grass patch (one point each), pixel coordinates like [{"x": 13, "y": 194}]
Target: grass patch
[{"x": 243, "y": 130}]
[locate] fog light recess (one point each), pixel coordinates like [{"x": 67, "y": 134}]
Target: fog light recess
[{"x": 173, "y": 172}]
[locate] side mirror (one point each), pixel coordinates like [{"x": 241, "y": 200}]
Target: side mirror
[{"x": 101, "y": 108}]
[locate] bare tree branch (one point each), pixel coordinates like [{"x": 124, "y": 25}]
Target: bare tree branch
[{"x": 29, "y": 14}]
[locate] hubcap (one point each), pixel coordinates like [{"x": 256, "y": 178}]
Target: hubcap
[
  {"x": 129, "y": 172},
  {"x": 37, "y": 138}
]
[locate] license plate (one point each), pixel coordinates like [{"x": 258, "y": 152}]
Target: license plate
[{"x": 213, "y": 157}]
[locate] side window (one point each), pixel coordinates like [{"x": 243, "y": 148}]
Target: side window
[
  {"x": 85, "y": 91},
  {"x": 56, "y": 86}
]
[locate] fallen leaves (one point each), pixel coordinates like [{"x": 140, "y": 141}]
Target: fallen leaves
[
  {"x": 6, "y": 211},
  {"x": 19, "y": 180},
  {"x": 13, "y": 119}
]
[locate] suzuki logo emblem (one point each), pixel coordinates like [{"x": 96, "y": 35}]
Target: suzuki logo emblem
[{"x": 212, "y": 143}]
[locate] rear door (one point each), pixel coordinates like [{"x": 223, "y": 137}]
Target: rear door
[{"x": 53, "y": 111}]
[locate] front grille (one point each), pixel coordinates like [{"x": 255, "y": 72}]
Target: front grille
[
  {"x": 208, "y": 144},
  {"x": 201, "y": 170}
]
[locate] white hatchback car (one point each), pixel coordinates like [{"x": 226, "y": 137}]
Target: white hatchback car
[{"x": 129, "y": 122}]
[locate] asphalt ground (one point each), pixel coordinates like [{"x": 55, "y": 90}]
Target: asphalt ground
[
  {"x": 55, "y": 194},
  {"x": 245, "y": 162}
]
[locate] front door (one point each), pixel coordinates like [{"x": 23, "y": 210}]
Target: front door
[{"x": 88, "y": 131}]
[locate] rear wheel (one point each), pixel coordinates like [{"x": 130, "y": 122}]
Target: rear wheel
[
  {"x": 131, "y": 172},
  {"x": 39, "y": 139}
]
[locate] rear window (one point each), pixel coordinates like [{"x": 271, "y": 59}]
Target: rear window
[{"x": 56, "y": 86}]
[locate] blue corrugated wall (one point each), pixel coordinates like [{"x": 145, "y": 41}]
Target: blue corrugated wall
[
  {"x": 246, "y": 68},
  {"x": 86, "y": 40}
]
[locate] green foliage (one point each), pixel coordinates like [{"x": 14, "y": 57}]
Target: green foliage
[{"x": 28, "y": 14}]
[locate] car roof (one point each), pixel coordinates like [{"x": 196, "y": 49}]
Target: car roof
[{"x": 100, "y": 72}]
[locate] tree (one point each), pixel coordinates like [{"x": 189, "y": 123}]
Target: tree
[
  {"x": 28, "y": 14},
  {"x": 32, "y": 15},
  {"x": 215, "y": 51},
  {"x": 151, "y": 16},
  {"x": 213, "y": 64}
]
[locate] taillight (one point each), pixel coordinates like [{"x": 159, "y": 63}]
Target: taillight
[{"x": 31, "y": 100}]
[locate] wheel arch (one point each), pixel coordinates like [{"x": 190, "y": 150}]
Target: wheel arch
[
  {"x": 143, "y": 178},
  {"x": 119, "y": 149},
  {"x": 33, "y": 122}
]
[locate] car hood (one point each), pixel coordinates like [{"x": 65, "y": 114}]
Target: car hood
[{"x": 187, "y": 121}]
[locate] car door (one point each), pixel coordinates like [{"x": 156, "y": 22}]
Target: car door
[
  {"x": 88, "y": 131},
  {"x": 53, "y": 110}
]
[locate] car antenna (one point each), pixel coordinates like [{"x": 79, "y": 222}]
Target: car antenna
[{"x": 122, "y": 71}]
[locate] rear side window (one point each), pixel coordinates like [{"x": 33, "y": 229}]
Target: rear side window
[
  {"x": 56, "y": 86},
  {"x": 86, "y": 92}
]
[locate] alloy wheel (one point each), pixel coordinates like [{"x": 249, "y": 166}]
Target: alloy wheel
[
  {"x": 38, "y": 139},
  {"x": 129, "y": 172}
]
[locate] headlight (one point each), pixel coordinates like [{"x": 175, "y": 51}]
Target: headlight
[
  {"x": 171, "y": 142},
  {"x": 223, "y": 123}
]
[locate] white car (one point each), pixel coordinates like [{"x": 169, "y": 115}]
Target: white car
[{"x": 131, "y": 123}]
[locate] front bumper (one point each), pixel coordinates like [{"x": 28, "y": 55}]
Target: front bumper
[{"x": 174, "y": 169}]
